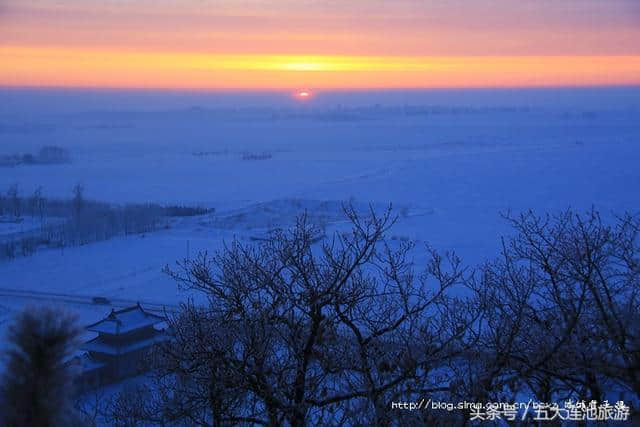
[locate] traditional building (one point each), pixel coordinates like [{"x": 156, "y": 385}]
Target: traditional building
[{"x": 122, "y": 345}]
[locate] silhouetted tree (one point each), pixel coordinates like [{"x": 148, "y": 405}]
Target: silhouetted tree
[
  {"x": 13, "y": 197},
  {"x": 37, "y": 203},
  {"x": 78, "y": 199},
  {"x": 36, "y": 387},
  {"x": 561, "y": 309},
  {"x": 306, "y": 330}
]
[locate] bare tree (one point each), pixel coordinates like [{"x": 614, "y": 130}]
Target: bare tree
[
  {"x": 37, "y": 203},
  {"x": 308, "y": 331},
  {"x": 562, "y": 307},
  {"x": 78, "y": 199},
  {"x": 190, "y": 385},
  {"x": 305, "y": 329},
  {"x": 13, "y": 197},
  {"x": 37, "y": 382}
]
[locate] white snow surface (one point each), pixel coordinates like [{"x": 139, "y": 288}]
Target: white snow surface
[{"x": 448, "y": 171}]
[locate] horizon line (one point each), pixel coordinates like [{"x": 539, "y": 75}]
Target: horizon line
[{"x": 315, "y": 90}]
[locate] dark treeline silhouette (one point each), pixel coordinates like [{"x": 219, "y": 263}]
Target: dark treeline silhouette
[
  {"x": 177, "y": 210},
  {"x": 78, "y": 220}
]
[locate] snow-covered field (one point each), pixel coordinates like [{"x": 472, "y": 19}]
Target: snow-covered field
[{"x": 449, "y": 171}]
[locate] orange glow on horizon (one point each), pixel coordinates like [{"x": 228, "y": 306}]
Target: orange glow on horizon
[
  {"x": 67, "y": 67},
  {"x": 288, "y": 44}
]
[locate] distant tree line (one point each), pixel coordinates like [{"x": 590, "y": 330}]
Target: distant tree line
[
  {"x": 46, "y": 155},
  {"x": 256, "y": 156},
  {"x": 78, "y": 220}
]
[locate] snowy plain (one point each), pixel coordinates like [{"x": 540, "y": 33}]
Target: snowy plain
[{"x": 449, "y": 161}]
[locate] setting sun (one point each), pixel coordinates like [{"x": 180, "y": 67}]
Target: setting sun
[{"x": 303, "y": 94}]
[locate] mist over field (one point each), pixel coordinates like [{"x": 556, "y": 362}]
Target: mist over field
[
  {"x": 450, "y": 161},
  {"x": 162, "y": 175}
]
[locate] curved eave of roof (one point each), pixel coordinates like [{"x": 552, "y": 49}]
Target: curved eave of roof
[{"x": 113, "y": 325}]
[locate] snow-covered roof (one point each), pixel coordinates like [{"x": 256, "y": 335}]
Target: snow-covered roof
[
  {"x": 98, "y": 346},
  {"x": 125, "y": 320}
]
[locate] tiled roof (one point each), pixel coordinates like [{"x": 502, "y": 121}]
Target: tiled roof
[
  {"x": 125, "y": 320},
  {"x": 98, "y": 346}
]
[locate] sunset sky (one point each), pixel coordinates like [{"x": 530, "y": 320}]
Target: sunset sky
[{"x": 283, "y": 44}]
